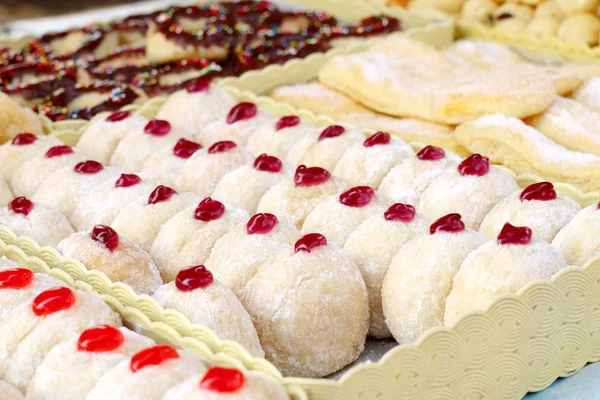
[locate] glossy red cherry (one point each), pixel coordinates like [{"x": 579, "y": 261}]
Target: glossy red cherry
[
  {"x": 261, "y": 224},
  {"x": 53, "y": 300},
  {"x": 192, "y": 278},
  {"x": 23, "y": 139},
  {"x": 448, "y": 223},
  {"x": 15, "y": 278},
  {"x": 209, "y": 210},
  {"x": 310, "y": 242},
  {"x": 511, "y": 234},
  {"x": 106, "y": 235},
  {"x": 223, "y": 380},
  {"x": 161, "y": 193},
  {"x": 287, "y": 122},
  {"x": 241, "y": 112},
  {"x": 431, "y": 153},
  {"x": 312, "y": 176},
  {"x": 128, "y": 180},
  {"x": 221, "y": 147},
  {"x": 379, "y": 138},
  {"x": 185, "y": 148},
  {"x": 58, "y": 151},
  {"x": 267, "y": 163},
  {"x": 400, "y": 212},
  {"x": 475, "y": 164},
  {"x": 542, "y": 191},
  {"x": 359, "y": 196},
  {"x": 21, "y": 205},
  {"x": 332, "y": 131},
  {"x": 118, "y": 116},
  {"x": 88, "y": 167},
  {"x": 197, "y": 85},
  {"x": 154, "y": 355},
  {"x": 100, "y": 339},
  {"x": 158, "y": 127}
]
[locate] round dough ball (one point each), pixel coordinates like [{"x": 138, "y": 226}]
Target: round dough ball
[
  {"x": 6, "y": 195},
  {"x": 278, "y": 137},
  {"x": 579, "y": 240},
  {"x": 11, "y": 298},
  {"x": 512, "y": 17},
  {"x": 550, "y": 9},
  {"x": 543, "y": 27},
  {"x": 580, "y": 28},
  {"x": 478, "y": 11},
  {"x": 21, "y": 149},
  {"x": 9, "y": 392},
  {"x": 447, "y": 6},
  {"x": 327, "y": 148},
  {"x": 241, "y": 122},
  {"x": 15, "y": 119},
  {"x": 373, "y": 245},
  {"x": 167, "y": 163},
  {"x": 578, "y": 6}
]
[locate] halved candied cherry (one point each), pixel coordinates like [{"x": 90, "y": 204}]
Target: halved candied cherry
[
  {"x": 400, "y": 212},
  {"x": 448, "y": 223},
  {"x": 378, "y": 139},
  {"x": 431, "y": 153},
  {"x": 15, "y": 278},
  {"x": 209, "y": 210},
  {"x": 542, "y": 191},
  {"x": 192, "y": 278},
  {"x": 185, "y": 148},
  {"x": 88, "y": 167},
  {"x": 267, "y": 163},
  {"x": 309, "y": 242},
  {"x": 128, "y": 180},
  {"x": 223, "y": 380},
  {"x": 118, "y": 116},
  {"x": 161, "y": 193},
  {"x": 197, "y": 85},
  {"x": 261, "y": 224},
  {"x": 100, "y": 339},
  {"x": 53, "y": 300},
  {"x": 312, "y": 176},
  {"x": 154, "y": 355},
  {"x": 359, "y": 196},
  {"x": 241, "y": 112},
  {"x": 24, "y": 139},
  {"x": 106, "y": 235},
  {"x": 475, "y": 164},
  {"x": 511, "y": 234},
  {"x": 21, "y": 205},
  {"x": 58, "y": 151},
  {"x": 287, "y": 122},
  {"x": 332, "y": 131},
  {"x": 158, "y": 127},
  {"x": 221, "y": 147}
]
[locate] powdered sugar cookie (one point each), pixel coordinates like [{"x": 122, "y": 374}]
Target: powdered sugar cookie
[
  {"x": 240, "y": 123},
  {"x": 278, "y": 137},
  {"x": 167, "y": 163},
  {"x": 328, "y": 147},
  {"x": 19, "y": 284},
  {"x": 22, "y": 148},
  {"x": 588, "y": 94},
  {"x": 550, "y": 9},
  {"x": 5, "y": 194},
  {"x": 580, "y": 28},
  {"x": 10, "y": 392},
  {"x": 7, "y": 263},
  {"x": 579, "y": 241},
  {"x": 543, "y": 27},
  {"x": 16, "y": 119}
]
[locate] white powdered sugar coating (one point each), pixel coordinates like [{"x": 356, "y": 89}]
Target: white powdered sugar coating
[
  {"x": 327, "y": 152},
  {"x": 579, "y": 240},
  {"x": 9, "y": 392},
  {"x": 13, "y": 156},
  {"x": 5, "y": 192},
  {"x": 165, "y": 164},
  {"x": 267, "y": 139},
  {"x": 7, "y": 263},
  {"x": 11, "y": 298},
  {"x": 588, "y": 94},
  {"x": 239, "y": 132},
  {"x": 483, "y": 53}
]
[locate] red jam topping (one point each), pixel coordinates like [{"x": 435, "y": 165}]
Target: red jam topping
[
  {"x": 185, "y": 148},
  {"x": 154, "y": 355},
  {"x": 100, "y": 339},
  {"x": 400, "y": 212},
  {"x": 209, "y": 210},
  {"x": 448, "y": 223},
  {"x": 358, "y": 196},
  {"x": 332, "y": 131},
  {"x": 475, "y": 164},
  {"x": 53, "y": 300},
  {"x": 21, "y": 205},
  {"x": 310, "y": 176},
  {"x": 542, "y": 191},
  {"x": 15, "y": 278},
  {"x": 58, "y": 151},
  {"x": 118, "y": 116},
  {"x": 431, "y": 153},
  {"x": 127, "y": 180},
  {"x": 88, "y": 167},
  {"x": 287, "y": 122},
  {"x": 379, "y": 138},
  {"x": 221, "y": 147},
  {"x": 222, "y": 380},
  {"x": 192, "y": 278},
  {"x": 261, "y": 224},
  {"x": 158, "y": 127},
  {"x": 241, "y": 112},
  {"x": 267, "y": 163},
  {"x": 106, "y": 235},
  {"x": 197, "y": 85},
  {"x": 511, "y": 234},
  {"x": 23, "y": 139},
  {"x": 309, "y": 242},
  {"x": 160, "y": 194}
]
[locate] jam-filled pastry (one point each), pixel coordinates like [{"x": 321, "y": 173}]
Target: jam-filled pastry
[
  {"x": 523, "y": 149},
  {"x": 15, "y": 119},
  {"x": 580, "y": 29},
  {"x": 43, "y": 224},
  {"x": 244, "y": 186},
  {"x": 368, "y": 162},
  {"x": 373, "y": 245},
  {"x": 167, "y": 162},
  {"x": 103, "y": 249},
  {"x": 10, "y": 392},
  {"x": 292, "y": 295},
  {"x": 189, "y": 236},
  {"x": 96, "y": 351},
  {"x": 512, "y": 17},
  {"x": 103, "y": 203},
  {"x": 22, "y": 148},
  {"x": 408, "y": 180},
  {"x": 337, "y": 216},
  {"x": 501, "y": 266},
  {"x": 579, "y": 240},
  {"x": 238, "y": 254},
  {"x": 472, "y": 189},
  {"x": 478, "y": 11},
  {"x": 207, "y": 302},
  {"x": 282, "y": 136},
  {"x": 293, "y": 200},
  {"x": 538, "y": 207},
  {"x": 5, "y": 193},
  {"x": 64, "y": 188},
  {"x": 35, "y": 327},
  {"x": 588, "y": 93}
]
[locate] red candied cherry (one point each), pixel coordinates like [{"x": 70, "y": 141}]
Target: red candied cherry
[
  {"x": 53, "y": 300},
  {"x": 158, "y": 127},
  {"x": 192, "y": 278},
  {"x": 511, "y": 234},
  {"x": 542, "y": 191},
  {"x": 100, "y": 339},
  {"x": 287, "y": 122},
  {"x": 261, "y": 224},
  {"x": 310, "y": 242},
  {"x": 23, "y": 139},
  {"x": 118, "y": 116},
  {"x": 221, "y": 147},
  {"x": 312, "y": 176},
  {"x": 15, "y": 278},
  {"x": 475, "y": 164},
  {"x": 267, "y": 163},
  {"x": 223, "y": 380},
  {"x": 209, "y": 210},
  {"x": 161, "y": 193},
  {"x": 58, "y": 151},
  {"x": 185, "y": 148},
  {"x": 332, "y": 131},
  {"x": 154, "y": 355},
  {"x": 359, "y": 196},
  {"x": 88, "y": 167},
  {"x": 241, "y": 112},
  {"x": 448, "y": 223},
  {"x": 21, "y": 205},
  {"x": 197, "y": 85},
  {"x": 127, "y": 180},
  {"x": 431, "y": 153},
  {"x": 379, "y": 138},
  {"x": 106, "y": 235},
  {"x": 400, "y": 212}
]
